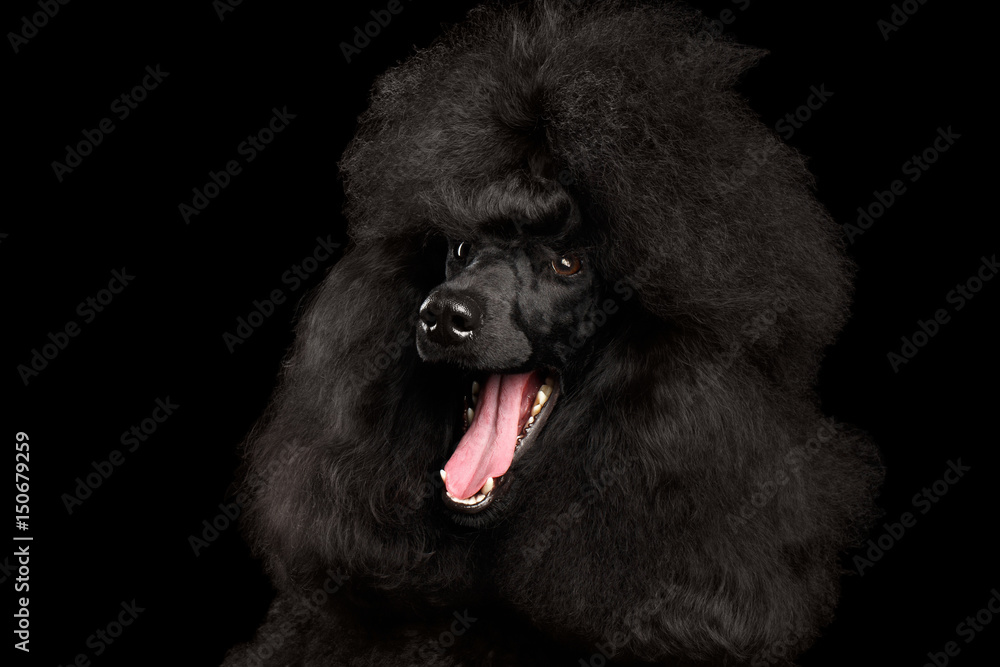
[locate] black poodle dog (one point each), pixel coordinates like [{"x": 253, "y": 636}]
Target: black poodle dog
[{"x": 556, "y": 404}]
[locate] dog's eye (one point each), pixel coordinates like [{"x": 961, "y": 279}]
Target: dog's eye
[
  {"x": 566, "y": 265},
  {"x": 462, "y": 251}
]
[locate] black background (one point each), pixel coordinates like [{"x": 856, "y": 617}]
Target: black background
[{"x": 162, "y": 336}]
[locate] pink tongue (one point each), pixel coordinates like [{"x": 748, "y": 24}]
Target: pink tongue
[{"x": 487, "y": 448}]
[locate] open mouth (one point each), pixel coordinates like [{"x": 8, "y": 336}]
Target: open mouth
[{"x": 502, "y": 418}]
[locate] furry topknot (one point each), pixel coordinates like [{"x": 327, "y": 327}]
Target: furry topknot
[
  {"x": 696, "y": 201},
  {"x": 689, "y": 500}
]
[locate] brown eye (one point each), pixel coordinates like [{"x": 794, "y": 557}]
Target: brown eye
[{"x": 566, "y": 265}]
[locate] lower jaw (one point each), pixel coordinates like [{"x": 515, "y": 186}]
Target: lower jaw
[{"x": 485, "y": 510}]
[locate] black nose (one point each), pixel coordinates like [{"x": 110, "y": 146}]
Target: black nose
[{"x": 450, "y": 319}]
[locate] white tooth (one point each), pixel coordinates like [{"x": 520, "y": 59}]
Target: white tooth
[
  {"x": 487, "y": 487},
  {"x": 475, "y": 388},
  {"x": 531, "y": 420},
  {"x": 546, "y": 389},
  {"x": 470, "y": 414},
  {"x": 535, "y": 410},
  {"x": 541, "y": 397},
  {"x": 444, "y": 476}
]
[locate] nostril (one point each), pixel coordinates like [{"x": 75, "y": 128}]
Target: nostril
[
  {"x": 461, "y": 323},
  {"x": 464, "y": 316},
  {"x": 430, "y": 311}
]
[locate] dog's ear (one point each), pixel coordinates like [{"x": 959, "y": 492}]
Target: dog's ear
[{"x": 354, "y": 427}]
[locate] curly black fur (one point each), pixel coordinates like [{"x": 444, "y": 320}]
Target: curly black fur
[{"x": 686, "y": 501}]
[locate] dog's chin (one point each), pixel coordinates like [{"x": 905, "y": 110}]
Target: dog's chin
[{"x": 502, "y": 416}]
